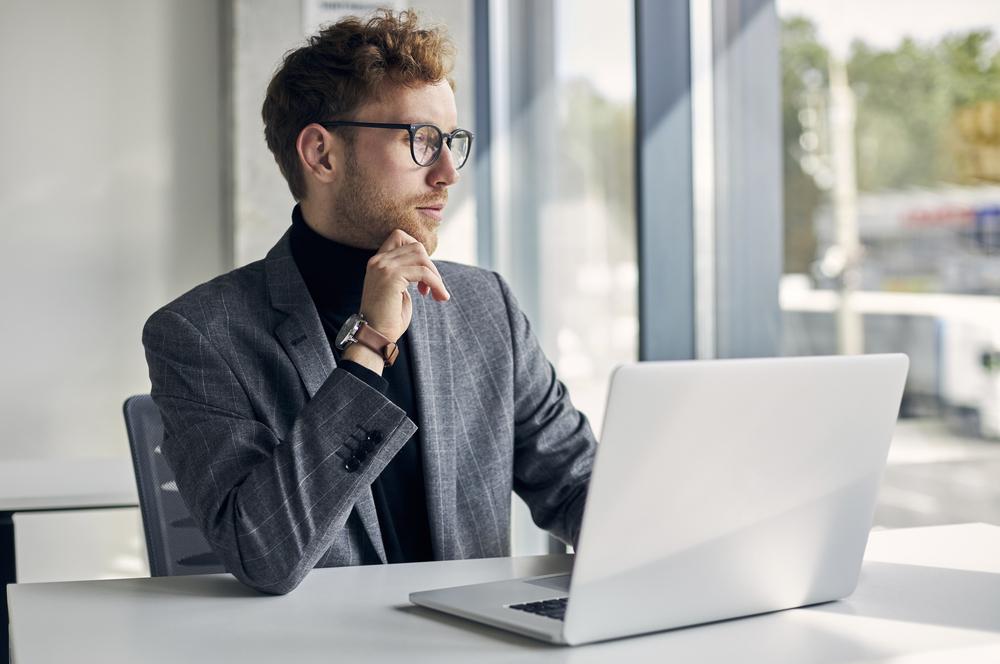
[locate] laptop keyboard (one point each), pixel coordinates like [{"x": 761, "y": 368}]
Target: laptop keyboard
[{"x": 550, "y": 608}]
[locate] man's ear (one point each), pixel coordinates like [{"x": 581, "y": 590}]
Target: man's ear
[{"x": 317, "y": 155}]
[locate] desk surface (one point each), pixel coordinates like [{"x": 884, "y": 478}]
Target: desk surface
[
  {"x": 54, "y": 484},
  {"x": 926, "y": 594}
]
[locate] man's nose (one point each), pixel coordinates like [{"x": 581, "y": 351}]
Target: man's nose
[{"x": 443, "y": 172}]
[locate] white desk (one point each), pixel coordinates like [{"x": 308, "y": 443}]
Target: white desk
[
  {"x": 927, "y": 594},
  {"x": 35, "y": 485}
]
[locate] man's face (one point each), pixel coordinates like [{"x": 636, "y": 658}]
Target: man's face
[{"x": 382, "y": 188}]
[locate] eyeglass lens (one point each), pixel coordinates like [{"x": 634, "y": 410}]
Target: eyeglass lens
[{"x": 427, "y": 142}]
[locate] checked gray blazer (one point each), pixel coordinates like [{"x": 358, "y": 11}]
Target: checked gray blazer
[{"x": 259, "y": 421}]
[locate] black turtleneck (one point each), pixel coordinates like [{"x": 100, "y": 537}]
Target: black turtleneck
[{"x": 334, "y": 274}]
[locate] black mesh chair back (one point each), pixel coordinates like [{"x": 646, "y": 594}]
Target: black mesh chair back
[{"x": 173, "y": 542}]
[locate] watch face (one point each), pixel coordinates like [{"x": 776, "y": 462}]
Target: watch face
[{"x": 347, "y": 330}]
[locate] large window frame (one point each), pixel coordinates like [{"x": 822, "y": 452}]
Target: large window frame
[
  {"x": 708, "y": 178},
  {"x": 708, "y": 170}
]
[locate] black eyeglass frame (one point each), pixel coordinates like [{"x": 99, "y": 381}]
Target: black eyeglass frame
[{"x": 446, "y": 137}]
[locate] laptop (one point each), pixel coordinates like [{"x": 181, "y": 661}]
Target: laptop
[{"x": 720, "y": 489}]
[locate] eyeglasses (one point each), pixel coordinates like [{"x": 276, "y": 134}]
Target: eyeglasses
[{"x": 425, "y": 140}]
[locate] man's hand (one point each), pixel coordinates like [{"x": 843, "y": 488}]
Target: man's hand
[{"x": 385, "y": 302}]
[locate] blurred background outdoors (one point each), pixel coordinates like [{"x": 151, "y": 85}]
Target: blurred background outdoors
[
  {"x": 135, "y": 168},
  {"x": 891, "y": 143}
]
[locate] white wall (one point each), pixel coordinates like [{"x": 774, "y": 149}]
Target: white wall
[
  {"x": 262, "y": 33},
  {"x": 110, "y": 205}
]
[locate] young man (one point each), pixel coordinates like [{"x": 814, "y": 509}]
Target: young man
[{"x": 291, "y": 389}]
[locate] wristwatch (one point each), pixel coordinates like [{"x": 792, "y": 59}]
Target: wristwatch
[{"x": 357, "y": 330}]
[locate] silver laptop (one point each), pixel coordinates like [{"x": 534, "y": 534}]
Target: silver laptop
[{"x": 720, "y": 489}]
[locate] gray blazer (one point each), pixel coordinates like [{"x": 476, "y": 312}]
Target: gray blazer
[{"x": 258, "y": 422}]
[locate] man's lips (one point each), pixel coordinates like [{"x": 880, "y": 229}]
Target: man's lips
[{"x": 435, "y": 212}]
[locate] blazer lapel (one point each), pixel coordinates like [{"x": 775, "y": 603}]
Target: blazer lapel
[
  {"x": 433, "y": 373},
  {"x": 303, "y": 338},
  {"x": 301, "y": 333}
]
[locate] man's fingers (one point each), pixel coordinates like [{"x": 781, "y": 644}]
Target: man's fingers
[
  {"x": 405, "y": 256},
  {"x": 397, "y": 238},
  {"x": 401, "y": 248},
  {"x": 422, "y": 274},
  {"x": 394, "y": 263}
]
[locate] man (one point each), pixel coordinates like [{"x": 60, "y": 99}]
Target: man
[{"x": 291, "y": 388}]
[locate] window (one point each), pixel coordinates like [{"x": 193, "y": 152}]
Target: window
[
  {"x": 891, "y": 133},
  {"x": 564, "y": 217}
]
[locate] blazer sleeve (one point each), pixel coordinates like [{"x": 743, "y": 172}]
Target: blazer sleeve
[
  {"x": 269, "y": 506},
  {"x": 554, "y": 446}
]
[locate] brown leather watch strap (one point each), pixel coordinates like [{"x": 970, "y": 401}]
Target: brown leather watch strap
[{"x": 369, "y": 337}]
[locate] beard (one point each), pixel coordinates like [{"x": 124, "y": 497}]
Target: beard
[{"x": 367, "y": 212}]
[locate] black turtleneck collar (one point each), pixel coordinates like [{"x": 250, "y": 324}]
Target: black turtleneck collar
[{"x": 334, "y": 273}]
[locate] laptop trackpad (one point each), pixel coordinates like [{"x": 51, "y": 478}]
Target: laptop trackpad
[{"x": 557, "y": 582}]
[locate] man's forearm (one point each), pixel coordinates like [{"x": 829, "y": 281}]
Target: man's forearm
[{"x": 270, "y": 507}]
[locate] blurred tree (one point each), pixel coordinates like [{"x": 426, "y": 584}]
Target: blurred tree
[
  {"x": 913, "y": 103},
  {"x": 596, "y": 150},
  {"x": 804, "y": 67},
  {"x": 919, "y": 106},
  {"x": 904, "y": 107}
]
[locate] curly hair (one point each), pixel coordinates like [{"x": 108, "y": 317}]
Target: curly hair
[{"x": 340, "y": 68}]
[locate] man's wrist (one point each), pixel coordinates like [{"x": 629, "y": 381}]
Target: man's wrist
[{"x": 365, "y": 356}]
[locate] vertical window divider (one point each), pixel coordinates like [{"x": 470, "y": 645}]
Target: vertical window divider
[
  {"x": 664, "y": 180},
  {"x": 703, "y": 178},
  {"x": 747, "y": 181}
]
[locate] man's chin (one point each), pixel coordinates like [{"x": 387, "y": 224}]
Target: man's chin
[
  {"x": 430, "y": 242},
  {"x": 423, "y": 233}
]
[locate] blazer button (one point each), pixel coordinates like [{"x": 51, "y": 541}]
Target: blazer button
[
  {"x": 375, "y": 437},
  {"x": 352, "y": 464}
]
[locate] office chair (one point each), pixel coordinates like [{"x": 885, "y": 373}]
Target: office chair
[{"x": 173, "y": 542}]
